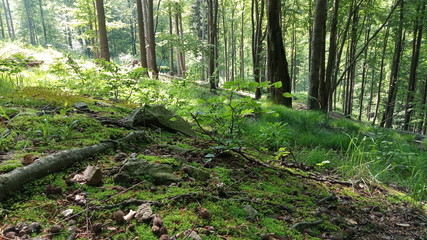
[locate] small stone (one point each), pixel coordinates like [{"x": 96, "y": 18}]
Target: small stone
[
  {"x": 10, "y": 235},
  {"x": 163, "y": 231},
  {"x": 252, "y": 212},
  {"x": 35, "y": 227},
  {"x": 144, "y": 212},
  {"x": 55, "y": 229},
  {"x": 155, "y": 229},
  {"x": 80, "y": 106},
  {"x": 51, "y": 190},
  {"x": 118, "y": 216},
  {"x": 204, "y": 213},
  {"x": 164, "y": 237},
  {"x": 93, "y": 176},
  {"x": 67, "y": 213},
  {"x": 120, "y": 157},
  {"x": 130, "y": 216},
  {"x": 192, "y": 235},
  {"x": 157, "y": 220},
  {"x": 97, "y": 228}
]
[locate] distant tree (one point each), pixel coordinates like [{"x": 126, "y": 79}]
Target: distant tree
[
  {"x": 102, "y": 30},
  {"x": 141, "y": 34},
  {"x": 150, "y": 35},
  {"x": 213, "y": 42}
]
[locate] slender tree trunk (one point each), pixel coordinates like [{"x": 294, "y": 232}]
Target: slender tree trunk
[
  {"x": 171, "y": 59},
  {"x": 422, "y": 126},
  {"x": 387, "y": 119},
  {"x": 151, "y": 49},
  {"x": 242, "y": 44},
  {"x": 11, "y": 20},
  {"x": 212, "y": 41},
  {"x": 371, "y": 88},
  {"x": 141, "y": 34},
  {"x": 348, "y": 110},
  {"x": 178, "y": 55},
  {"x": 277, "y": 64},
  {"x": 317, "y": 54},
  {"x": 377, "y": 106},
  {"x": 416, "y": 47},
  {"x": 9, "y": 30},
  {"x": 364, "y": 72},
  {"x": 327, "y": 94},
  {"x": 1, "y": 25},
  {"x": 102, "y": 29},
  {"x": 131, "y": 6},
  {"x": 257, "y": 16},
  {"x": 43, "y": 22},
  {"x": 30, "y": 23},
  {"x": 225, "y": 35},
  {"x": 233, "y": 46}
]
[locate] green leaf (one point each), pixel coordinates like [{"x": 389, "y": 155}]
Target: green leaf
[
  {"x": 253, "y": 85},
  {"x": 246, "y": 112},
  {"x": 173, "y": 119},
  {"x": 263, "y": 84},
  {"x": 287, "y": 95},
  {"x": 277, "y": 84},
  {"x": 230, "y": 85}
]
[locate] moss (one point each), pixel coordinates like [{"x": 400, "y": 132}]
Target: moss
[
  {"x": 9, "y": 165},
  {"x": 159, "y": 159}
]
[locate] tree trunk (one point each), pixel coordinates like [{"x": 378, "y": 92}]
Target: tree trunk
[
  {"x": 277, "y": 64},
  {"x": 387, "y": 119},
  {"x": 224, "y": 27},
  {"x": 317, "y": 54},
  {"x": 171, "y": 59},
  {"x": 14, "y": 180},
  {"x": 327, "y": 96},
  {"x": 43, "y": 22},
  {"x": 1, "y": 25},
  {"x": 30, "y": 23},
  {"x": 416, "y": 47},
  {"x": 212, "y": 41},
  {"x": 151, "y": 48},
  {"x": 141, "y": 34},
  {"x": 377, "y": 106},
  {"x": 102, "y": 30},
  {"x": 242, "y": 45},
  {"x": 12, "y": 28},
  {"x": 257, "y": 16}
]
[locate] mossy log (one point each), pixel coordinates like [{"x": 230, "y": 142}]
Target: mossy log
[{"x": 59, "y": 161}]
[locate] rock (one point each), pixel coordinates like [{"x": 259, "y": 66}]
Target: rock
[
  {"x": 35, "y": 227},
  {"x": 67, "y": 212},
  {"x": 204, "y": 213},
  {"x": 93, "y": 176},
  {"x": 252, "y": 212},
  {"x": 130, "y": 216},
  {"x": 10, "y": 235},
  {"x": 97, "y": 228},
  {"x": 196, "y": 173},
  {"x": 164, "y": 237},
  {"x": 144, "y": 212},
  {"x": 80, "y": 106},
  {"x": 138, "y": 169},
  {"x": 159, "y": 231},
  {"x": 157, "y": 220},
  {"x": 118, "y": 217},
  {"x": 10, "y": 228},
  {"x": 192, "y": 235},
  {"x": 159, "y": 116},
  {"x": 51, "y": 189},
  {"x": 55, "y": 229}
]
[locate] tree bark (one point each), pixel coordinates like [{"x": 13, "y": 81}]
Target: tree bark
[
  {"x": 151, "y": 48},
  {"x": 377, "y": 106},
  {"x": 171, "y": 49},
  {"x": 43, "y": 22},
  {"x": 416, "y": 47},
  {"x": 212, "y": 41},
  {"x": 387, "y": 119},
  {"x": 257, "y": 16},
  {"x": 277, "y": 64},
  {"x": 141, "y": 34},
  {"x": 317, "y": 54},
  {"x": 102, "y": 30}
]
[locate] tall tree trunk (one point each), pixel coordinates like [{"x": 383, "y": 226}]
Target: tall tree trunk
[
  {"x": 327, "y": 96},
  {"x": 416, "y": 47},
  {"x": 422, "y": 126},
  {"x": 377, "y": 105},
  {"x": 277, "y": 64},
  {"x": 131, "y": 6},
  {"x": 12, "y": 28},
  {"x": 242, "y": 44},
  {"x": 348, "y": 110},
  {"x": 233, "y": 46},
  {"x": 317, "y": 54},
  {"x": 102, "y": 30},
  {"x": 364, "y": 72},
  {"x": 151, "y": 49},
  {"x": 30, "y": 23},
  {"x": 257, "y": 16},
  {"x": 212, "y": 41},
  {"x": 1, "y": 24},
  {"x": 9, "y": 30},
  {"x": 43, "y": 22},
  {"x": 141, "y": 34},
  {"x": 225, "y": 36},
  {"x": 171, "y": 59},
  {"x": 387, "y": 119}
]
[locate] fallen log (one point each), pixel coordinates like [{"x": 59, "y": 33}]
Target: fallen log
[{"x": 59, "y": 161}]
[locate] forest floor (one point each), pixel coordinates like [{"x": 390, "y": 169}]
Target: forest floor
[{"x": 240, "y": 199}]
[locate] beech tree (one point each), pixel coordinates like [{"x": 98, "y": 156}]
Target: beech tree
[{"x": 102, "y": 30}]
